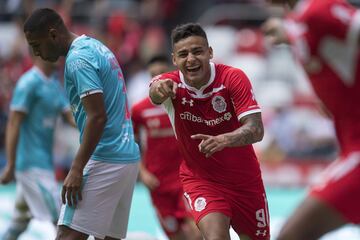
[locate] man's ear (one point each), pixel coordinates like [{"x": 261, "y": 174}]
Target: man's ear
[
  {"x": 173, "y": 59},
  {"x": 211, "y": 52},
  {"x": 53, "y": 34}
]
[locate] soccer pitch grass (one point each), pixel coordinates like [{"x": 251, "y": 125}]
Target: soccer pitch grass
[{"x": 143, "y": 224}]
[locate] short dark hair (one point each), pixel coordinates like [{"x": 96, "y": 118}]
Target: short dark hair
[
  {"x": 158, "y": 58},
  {"x": 42, "y": 19},
  {"x": 187, "y": 30}
]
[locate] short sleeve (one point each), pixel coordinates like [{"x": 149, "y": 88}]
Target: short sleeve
[
  {"x": 84, "y": 72},
  {"x": 23, "y": 96},
  {"x": 169, "y": 75},
  {"x": 242, "y": 94}
]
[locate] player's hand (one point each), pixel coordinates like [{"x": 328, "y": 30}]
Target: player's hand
[
  {"x": 210, "y": 144},
  {"x": 8, "y": 175},
  {"x": 71, "y": 190},
  {"x": 149, "y": 179},
  {"x": 165, "y": 88},
  {"x": 274, "y": 31}
]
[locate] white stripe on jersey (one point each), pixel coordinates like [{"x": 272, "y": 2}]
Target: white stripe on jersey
[
  {"x": 87, "y": 93},
  {"x": 249, "y": 112}
]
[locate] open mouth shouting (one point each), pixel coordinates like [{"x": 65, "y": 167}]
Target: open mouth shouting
[{"x": 193, "y": 69}]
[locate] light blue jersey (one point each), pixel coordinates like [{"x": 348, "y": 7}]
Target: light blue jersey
[
  {"x": 90, "y": 68},
  {"x": 42, "y": 100}
]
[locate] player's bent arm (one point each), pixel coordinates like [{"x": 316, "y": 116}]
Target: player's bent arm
[
  {"x": 94, "y": 126},
  {"x": 69, "y": 118},
  {"x": 251, "y": 131},
  {"x": 11, "y": 141}
]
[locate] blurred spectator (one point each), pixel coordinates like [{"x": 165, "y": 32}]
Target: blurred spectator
[
  {"x": 123, "y": 36},
  {"x": 135, "y": 30}
]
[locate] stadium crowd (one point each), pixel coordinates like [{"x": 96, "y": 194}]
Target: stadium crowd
[
  {"x": 299, "y": 137},
  {"x": 136, "y": 30}
]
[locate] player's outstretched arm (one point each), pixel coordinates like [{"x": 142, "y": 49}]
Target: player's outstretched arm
[{"x": 161, "y": 90}]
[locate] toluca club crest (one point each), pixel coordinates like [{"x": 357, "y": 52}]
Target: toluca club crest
[{"x": 219, "y": 104}]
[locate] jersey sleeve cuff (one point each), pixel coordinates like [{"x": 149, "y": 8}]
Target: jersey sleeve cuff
[
  {"x": 19, "y": 109},
  {"x": 243, "y": 114},
  {"x": 87, "y": 93}
]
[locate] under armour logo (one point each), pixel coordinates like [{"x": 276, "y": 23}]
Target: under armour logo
[
  {"x": 259, "y": 232},
  {"x": 190, "y": 102}
]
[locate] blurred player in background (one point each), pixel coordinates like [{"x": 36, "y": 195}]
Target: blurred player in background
[
  {"x": 216, "y": 120},
  {"x": 159, "y": 170},
  {"x": 37, "y": 101},
  {"x": 98, "y": 189},
  {"x": 325, "y": 38}
]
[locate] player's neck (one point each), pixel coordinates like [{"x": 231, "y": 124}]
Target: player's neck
[
  {"x": 68, "y": 41},
  {"x": 199, "y": 84}
]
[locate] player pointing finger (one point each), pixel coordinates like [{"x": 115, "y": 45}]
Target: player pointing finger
[
  {"x": 164, "y": 89},
  {"x": 209, "y": 144}
]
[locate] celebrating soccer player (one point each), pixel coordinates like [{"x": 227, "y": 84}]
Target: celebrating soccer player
[{"x": 216, "y": 119}]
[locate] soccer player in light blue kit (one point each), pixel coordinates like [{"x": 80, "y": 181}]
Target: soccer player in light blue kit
[
  {"x": 38, "y": 100},
  {"x": 98, "y": 190}
]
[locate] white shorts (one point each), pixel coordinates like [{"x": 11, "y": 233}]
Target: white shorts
[
  {"x": 106, "y": 200},
  {"x": 41, "y": 193}
]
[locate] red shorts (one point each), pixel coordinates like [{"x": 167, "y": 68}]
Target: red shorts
[
  {"x": 340, "y": 187},
  {"x": 171, "y": 210},
  {"x": 248, "y": 210}
]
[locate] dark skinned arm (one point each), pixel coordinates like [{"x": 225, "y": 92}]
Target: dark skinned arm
[{"x": 94, "y": 126}]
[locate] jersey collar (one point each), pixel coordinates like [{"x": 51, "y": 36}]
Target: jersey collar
[{"x": 199, "y": 92}]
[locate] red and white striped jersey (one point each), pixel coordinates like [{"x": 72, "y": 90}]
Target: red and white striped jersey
[
  {"x": 214, "y": 109},
  {"x": 325, "y": 36}
]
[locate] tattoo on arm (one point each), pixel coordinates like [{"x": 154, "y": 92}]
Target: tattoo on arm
[{"x": 250, "y": 132}]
